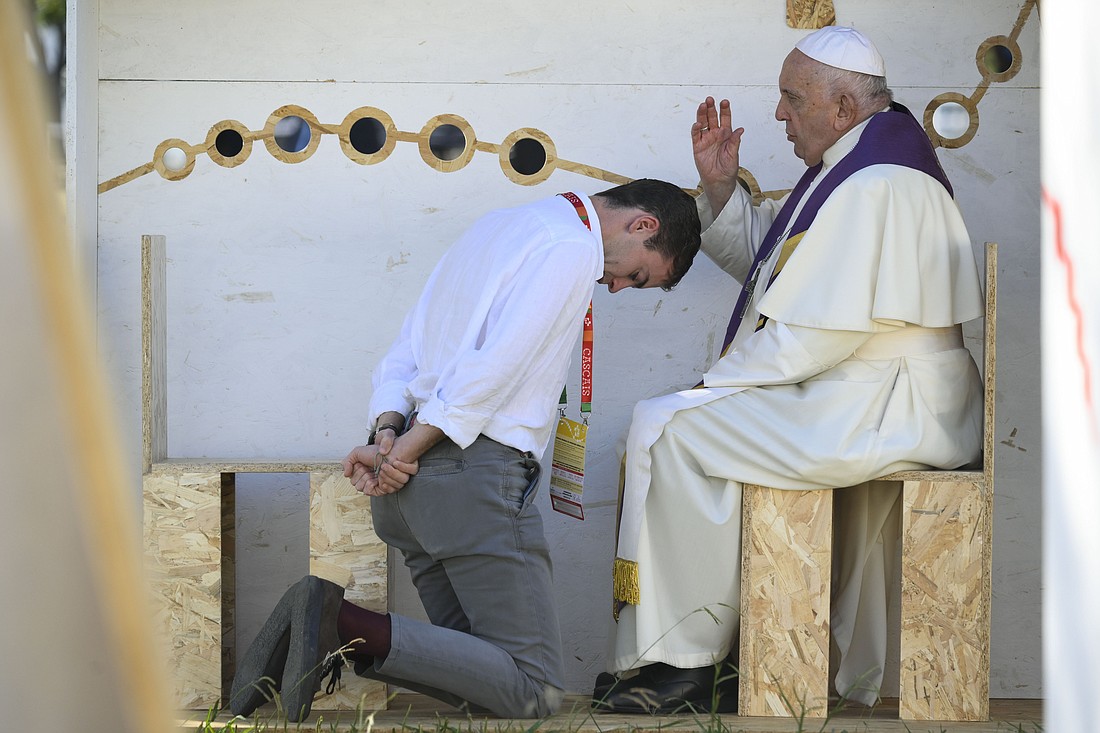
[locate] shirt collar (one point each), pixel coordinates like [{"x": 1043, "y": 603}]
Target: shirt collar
[
  {"x": 844, "y": 145},
  {"x": 594, "y": 220}
]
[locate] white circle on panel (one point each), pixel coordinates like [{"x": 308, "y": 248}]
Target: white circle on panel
[
  {"x": 174, "y": 159},
  {"x": 951, "y": 120}
]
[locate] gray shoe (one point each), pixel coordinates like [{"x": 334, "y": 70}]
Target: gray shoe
[
  {"x": 312, "y": 651},
  {"x": 260, "y": 671}
]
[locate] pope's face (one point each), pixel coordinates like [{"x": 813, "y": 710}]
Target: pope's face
[{"x": 807, "y": 107}]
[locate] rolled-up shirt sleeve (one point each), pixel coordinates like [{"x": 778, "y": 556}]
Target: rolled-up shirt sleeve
[{"x": 393, "y": 375}]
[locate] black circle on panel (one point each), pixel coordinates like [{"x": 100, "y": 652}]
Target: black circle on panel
[
  {"x": 527, "y": 156},
  {"x": 447, "y": 142},
  {"x": 998, "y": 58},
  {"x": 229, "y": 143},
  {"x": 367, "y": 135}
]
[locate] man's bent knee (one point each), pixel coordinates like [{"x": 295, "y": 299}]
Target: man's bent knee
[{"x": 544, "y": 703}]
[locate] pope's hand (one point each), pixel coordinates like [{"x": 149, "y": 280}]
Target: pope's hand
[{"x": 716, "y": 147}]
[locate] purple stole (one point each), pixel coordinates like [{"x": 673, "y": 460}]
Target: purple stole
[{"x": 892, "y": 137}]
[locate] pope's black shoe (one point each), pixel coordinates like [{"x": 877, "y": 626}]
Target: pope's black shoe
[
  {"x": 662, "y": 690},
  {"x": 260, "y": 670},
  {"x": 313, "y": 648},
  {"x": 607, "y": 684}
]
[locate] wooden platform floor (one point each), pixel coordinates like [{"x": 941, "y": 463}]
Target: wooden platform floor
[{"x": 408, "y": 713}]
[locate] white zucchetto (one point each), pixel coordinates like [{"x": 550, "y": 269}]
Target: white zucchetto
[{"x": 843, "y": 48}]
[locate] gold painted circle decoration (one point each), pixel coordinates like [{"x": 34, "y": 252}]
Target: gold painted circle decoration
[
  {"x": 991, "y": 57},
  {"x": 163, "y": 159},
  {"x": 947, "y": 99},
  {"x": 367, "y": 114},
  {"x": 441, "y": 126},
  {"x": 506, "y": 152},
  {"x": 284, "y": 112},
  {"x": 231, "y": 130}
]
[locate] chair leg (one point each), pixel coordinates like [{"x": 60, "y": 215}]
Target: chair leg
[
  {"x": 786, "y": 558},
  {"x": 945, "y": 597}
]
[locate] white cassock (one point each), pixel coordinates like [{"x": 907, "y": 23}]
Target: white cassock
[{"x": 859, "y": 371}]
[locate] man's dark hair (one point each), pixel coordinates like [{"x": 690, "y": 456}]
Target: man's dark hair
[{"x": 678, "y": 236}]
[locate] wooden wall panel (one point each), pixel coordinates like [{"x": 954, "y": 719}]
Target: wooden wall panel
[{"x": 810, "y": 14}]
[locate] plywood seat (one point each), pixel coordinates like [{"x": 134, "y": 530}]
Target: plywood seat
[{"x": 945, "y": 587}]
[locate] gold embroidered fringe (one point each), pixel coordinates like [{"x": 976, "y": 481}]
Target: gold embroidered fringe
[{"x": 626, "y": 582}]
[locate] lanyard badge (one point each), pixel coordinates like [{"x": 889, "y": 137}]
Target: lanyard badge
[{"x": 567, "y": 468}]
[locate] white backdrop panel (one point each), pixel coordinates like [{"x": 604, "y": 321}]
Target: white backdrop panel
[
  {"x": 507, "y": 42},
  {"x": 287, "y": 282}
]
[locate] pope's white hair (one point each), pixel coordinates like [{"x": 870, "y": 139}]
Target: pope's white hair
[{"x": 870, "y": 92}]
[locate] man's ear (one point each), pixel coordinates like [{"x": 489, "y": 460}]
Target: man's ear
[
  {"x": 846, "y": 113},
  {"x": 646, "y": 224}
]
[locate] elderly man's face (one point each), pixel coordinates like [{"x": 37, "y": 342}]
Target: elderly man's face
[{"x": 807, "y": 107}]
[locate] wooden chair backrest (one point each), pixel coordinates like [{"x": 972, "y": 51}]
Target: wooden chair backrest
[{"x": 989, "y": 359}]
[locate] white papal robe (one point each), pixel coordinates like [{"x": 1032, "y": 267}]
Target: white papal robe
[{"x": 860, "y": 370}]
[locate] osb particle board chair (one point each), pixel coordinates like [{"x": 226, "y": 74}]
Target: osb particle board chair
[
  {"x": 947, "y": 519},
  {"x": 189, "y": 532}
]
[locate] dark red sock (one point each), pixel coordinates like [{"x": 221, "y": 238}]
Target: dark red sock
[{"x": 366, "y": 632}]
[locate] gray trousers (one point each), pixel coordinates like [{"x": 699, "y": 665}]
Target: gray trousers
[{"x": 473, "y": 540}]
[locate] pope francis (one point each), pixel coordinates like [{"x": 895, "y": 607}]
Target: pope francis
[{"x": 843, "y": 361}]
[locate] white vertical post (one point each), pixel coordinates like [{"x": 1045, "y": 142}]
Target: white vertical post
[
  {"x": 1070, "y": 365},
  {"x": 80, "y": 125}
]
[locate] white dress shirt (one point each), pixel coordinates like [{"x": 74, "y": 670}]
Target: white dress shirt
[{"x": 486, "y": 349}]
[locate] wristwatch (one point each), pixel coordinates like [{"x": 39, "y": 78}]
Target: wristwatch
[{"x": 386, "y": 426}]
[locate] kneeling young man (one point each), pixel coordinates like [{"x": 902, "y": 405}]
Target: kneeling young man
[{"x": 463, "y": 407}]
